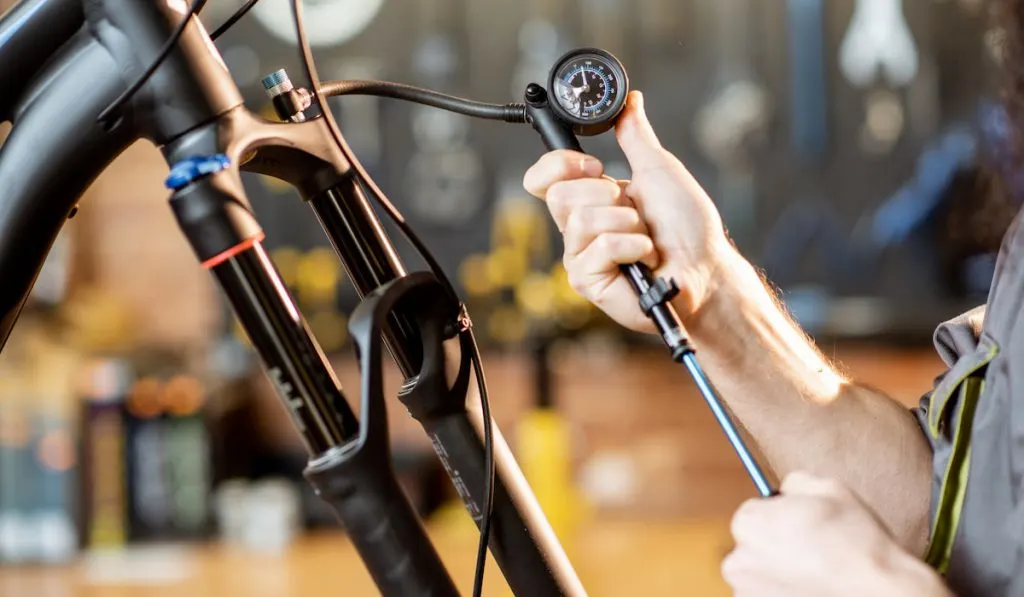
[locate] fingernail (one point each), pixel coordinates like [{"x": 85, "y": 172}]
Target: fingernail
[
  {"x": 591, "y": 166},
  {"x": 640, "y": 100}
]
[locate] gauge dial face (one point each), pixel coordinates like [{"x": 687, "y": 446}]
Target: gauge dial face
[{"x": 588, "y": 87}]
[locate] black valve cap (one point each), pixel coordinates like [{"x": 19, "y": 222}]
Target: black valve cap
[{"x": 535, "y": 93}]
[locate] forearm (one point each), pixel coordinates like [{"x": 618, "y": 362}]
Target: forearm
[{"x": 803, "y": 413}]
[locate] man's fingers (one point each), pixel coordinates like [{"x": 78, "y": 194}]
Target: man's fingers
[
  {"x": 733, "y": 568},
  {"x": 587, "y": 223},
  {"x": 565, "y": 197},
  {"x": 603, "y": 256},
  {"x": 636, "y": 136},
  {"x": 747, "y": 520},
  {"x": 559, "y": 165}
]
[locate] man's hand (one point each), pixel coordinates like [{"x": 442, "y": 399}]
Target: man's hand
[
  {"x": 819, "y": 540},
  {"x": 661, "y": 217}
]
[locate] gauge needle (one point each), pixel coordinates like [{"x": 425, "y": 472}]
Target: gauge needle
[{"x": 578, "y": 91}]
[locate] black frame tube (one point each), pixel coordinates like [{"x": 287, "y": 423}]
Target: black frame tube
[{"x": 44, "y": 169}]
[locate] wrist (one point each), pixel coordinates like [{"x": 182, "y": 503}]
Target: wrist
[
  {"x": 723, "y": 278},
  {"x": 902, "y": 574}
]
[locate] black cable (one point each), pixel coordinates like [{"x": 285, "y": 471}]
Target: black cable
[
  {"x": 309, "y": 66},
  {"x": 228, "y": 24},
  {"x": 116, "y": 105},
  {"x": 485, "y": 521},
  {"x": 512, "y": 113}
]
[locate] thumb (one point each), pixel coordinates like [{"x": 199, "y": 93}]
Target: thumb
[{"x": 635, "y": 135}]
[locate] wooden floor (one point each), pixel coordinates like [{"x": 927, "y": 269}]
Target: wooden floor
[{"x": 613, "y": 558}]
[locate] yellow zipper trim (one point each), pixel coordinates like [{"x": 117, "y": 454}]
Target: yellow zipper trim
[
  {"x": 954, "y": 483},
  {"x": 937, "y": 406}
]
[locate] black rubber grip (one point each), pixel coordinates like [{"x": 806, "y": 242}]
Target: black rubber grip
[{"x": 383, "y": 526}]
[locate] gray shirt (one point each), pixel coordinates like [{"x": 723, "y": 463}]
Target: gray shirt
[{"x": 974, "y": 421}]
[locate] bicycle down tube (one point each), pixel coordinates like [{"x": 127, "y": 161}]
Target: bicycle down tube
[{"x": 73, "y": 58}]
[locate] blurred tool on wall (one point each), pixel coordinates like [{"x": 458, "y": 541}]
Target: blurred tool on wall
[
  {"x": 939, "y": 224},
  {"x": 736, "y": 116}
]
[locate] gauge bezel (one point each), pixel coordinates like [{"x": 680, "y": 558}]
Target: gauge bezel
[{"x": 582, "y": 126}]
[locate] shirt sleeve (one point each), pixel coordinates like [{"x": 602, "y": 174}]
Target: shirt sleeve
[
  {"x": 953, "y": 338},
  {"x": 920, "y": 412}
]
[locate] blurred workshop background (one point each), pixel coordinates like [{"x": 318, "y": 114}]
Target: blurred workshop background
[{"x": 143, "y": 452}]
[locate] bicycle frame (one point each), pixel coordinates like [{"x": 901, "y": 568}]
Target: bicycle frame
[{"x": 61, "y": 63}]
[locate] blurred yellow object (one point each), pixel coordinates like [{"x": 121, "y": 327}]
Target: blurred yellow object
[
  {"x": 521, "y": 223},
  {"x": 330, "y": 329},
  {"x": 98, "y": 321},
  {"x": 318, "y": 276},
  {"x": 287, "y": 260},
  {"x": 574, "y": 311},
  {"x": 507, "y": 324},
  {"x": 239, "y": 332},
  {"x": 506, "y": 267},
  {"x": 454, "y": 519},
  {"x": 475, "y": 276},
  {"x": 536, "y": 296},
  {"x": 544, "y": 451},
  {"x": 106, "y": 436},
  {"x": 575, "y": 318},
  {"x": 566, "y": 294}
]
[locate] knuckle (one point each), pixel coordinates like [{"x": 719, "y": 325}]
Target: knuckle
[
  {"x": 556, "y": 193},
  {"x": 568, "y": 266},
  {"x": 741, "y": 518},
  {"x": 631, "y": 217},
  {"x": 562, "y": 163},
  {"x": 605, "y": 244},
  {"x": 745, "y": 516},
  {"x": 576, "y": 220},
  {"x": 576, "y": 281},
  {"x": 730, "y": 568},
  {"x": 530, "y": 182},
  {"x": 563, "y": 193},
  {"x": 610, "y": 189}
]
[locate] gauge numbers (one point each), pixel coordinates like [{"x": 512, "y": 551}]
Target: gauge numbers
[{"x": 587, "y": 87}]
